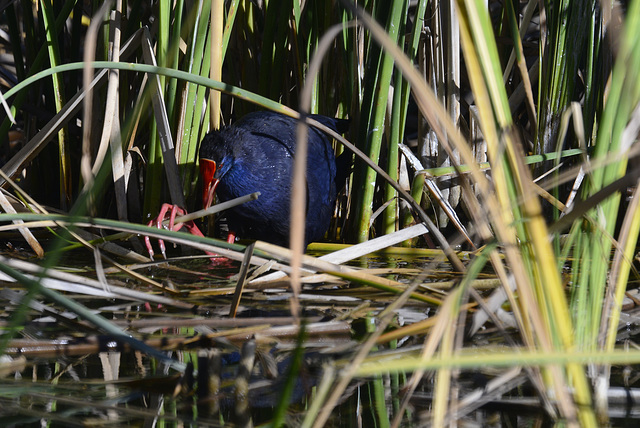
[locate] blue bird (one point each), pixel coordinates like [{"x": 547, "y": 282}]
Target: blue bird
[{"x": 256, "y": 154}]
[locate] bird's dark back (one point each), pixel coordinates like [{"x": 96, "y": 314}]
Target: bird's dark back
[{"x": 262, "y": 146}]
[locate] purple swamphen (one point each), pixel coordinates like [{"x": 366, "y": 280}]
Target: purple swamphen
[{"x": 256, "y": 154}]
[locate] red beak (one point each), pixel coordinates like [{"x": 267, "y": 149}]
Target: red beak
[{"x": 209, "y": 182}]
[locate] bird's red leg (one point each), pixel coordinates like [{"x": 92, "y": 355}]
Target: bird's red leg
[
  {"x": 164, "y": 215},
  {"x": 207, "y": 169},
  {"x": 158, "y": 223}
]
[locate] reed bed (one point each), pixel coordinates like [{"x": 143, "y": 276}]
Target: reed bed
[{"x": 481, "y": 259}]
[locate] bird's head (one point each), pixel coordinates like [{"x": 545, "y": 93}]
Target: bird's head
[
  {"x": 209, "y": 181},
  {"x": 211, "y": 173},
  {"x": 216, "y": 158}
]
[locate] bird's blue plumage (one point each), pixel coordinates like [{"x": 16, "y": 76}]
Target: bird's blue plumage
[{"x": 256, "y": 154}]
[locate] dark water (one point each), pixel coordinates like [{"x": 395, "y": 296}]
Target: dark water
[{"x": 82, "y": 381}]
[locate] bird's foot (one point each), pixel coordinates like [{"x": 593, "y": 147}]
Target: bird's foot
[{"x": 169, "y": 212}]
